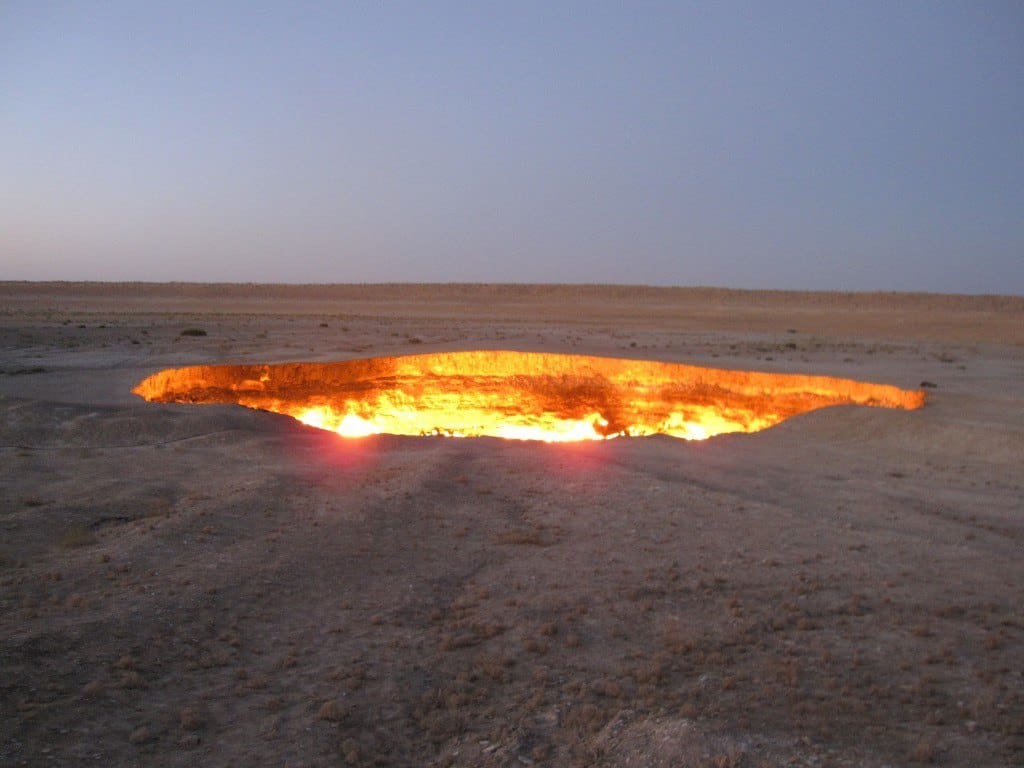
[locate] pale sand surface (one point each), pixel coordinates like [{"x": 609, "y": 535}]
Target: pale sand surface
[{"x": 215, "y": 586}]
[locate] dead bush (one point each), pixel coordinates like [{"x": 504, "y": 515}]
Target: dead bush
[{"x": 77, "y": 536}]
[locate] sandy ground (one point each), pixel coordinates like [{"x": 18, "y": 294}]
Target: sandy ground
[{"x": 211, "y": 586}]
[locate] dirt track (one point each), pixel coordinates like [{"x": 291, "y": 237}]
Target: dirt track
[{"x": 211, "y": 586}]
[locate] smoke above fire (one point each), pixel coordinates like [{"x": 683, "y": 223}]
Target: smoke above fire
[{"x": 518, "y": 395}]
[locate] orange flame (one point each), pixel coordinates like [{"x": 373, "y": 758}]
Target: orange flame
[{"x": 518, "y": 395}]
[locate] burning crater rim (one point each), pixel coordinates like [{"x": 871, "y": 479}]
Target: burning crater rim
[{"x": 519, "y": 395}]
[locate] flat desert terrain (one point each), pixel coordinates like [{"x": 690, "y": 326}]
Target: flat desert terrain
[{"x": 185, "y": 585}]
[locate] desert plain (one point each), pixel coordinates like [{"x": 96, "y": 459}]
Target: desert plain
[{"x": 186, "y": 585}]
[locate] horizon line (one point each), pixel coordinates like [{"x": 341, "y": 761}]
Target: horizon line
[{"x": 480, "y": 284}]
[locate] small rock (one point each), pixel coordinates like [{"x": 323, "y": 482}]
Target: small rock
[{"x": 139, "y": 735}]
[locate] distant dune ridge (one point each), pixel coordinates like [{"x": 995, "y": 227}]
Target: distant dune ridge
[
  {"x": 927, "y": 316},
  {"x": 526, "y": 291}
]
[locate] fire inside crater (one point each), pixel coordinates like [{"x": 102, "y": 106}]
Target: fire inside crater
[{"x": 518, "y": 395}]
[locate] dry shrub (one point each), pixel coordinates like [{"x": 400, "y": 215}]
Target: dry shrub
[
  {"x": 355, "y": 679},
  {"x": 454, "y": 642},
  {"x": 488, "y": 630},
  {"x": 924, "y": 751},
  {"x": 921, "y": 630},
  {"x": 588, "y": 718},
  {"x": 541, "y": 752},
  {"x": 494, "y": 667},
  {"x": 533, "y": 645},
  {"x": 190, "y": 719},
  {"x": 652, "y": 671},
  {"x": 948, "y": 612},
  {"x": 732, "y": 757},
  {"x": 350, "y": 750},
  {"x": 677, "y": 639},
  {"x": 288, "y": 661},
  {"x": 331, "y": 712},
  {"x": 273, "y": 704},
  {"x": 132, "y": 680},
  {"x": 993, "y": 641},
  {"x": 521, "y": 537},
  {"x": 77, "y": 536},
  {"x": 255, "y": 683},
  {"x": 439, "y": 725},
  {"x": 550, "y": 629},
  {"x": 607, "y": 688}
]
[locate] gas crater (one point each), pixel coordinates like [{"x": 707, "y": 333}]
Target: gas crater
[{"x": 519, "y": 395}]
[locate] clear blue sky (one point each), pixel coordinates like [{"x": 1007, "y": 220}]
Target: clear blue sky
[{"x": 835, "y": 145}]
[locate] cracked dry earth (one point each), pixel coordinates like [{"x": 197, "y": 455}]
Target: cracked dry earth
[{"x": 216, "y": 586}]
